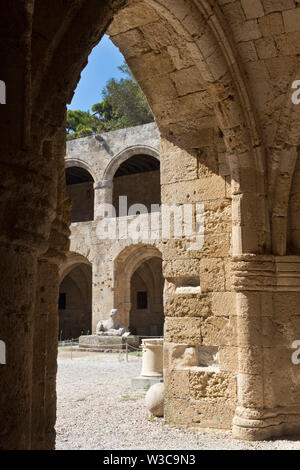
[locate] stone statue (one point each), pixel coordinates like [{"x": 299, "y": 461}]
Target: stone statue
[{"x": 111, "y": 326}]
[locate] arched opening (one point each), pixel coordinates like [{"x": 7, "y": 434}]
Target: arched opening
[
  {"x": 146, "y": 314},
  {"x": 75, "y": 302},
  {"x": 138, "y": 178},
  {"x": 138, "y": 289},
  {"x": 80, "y": 188}
]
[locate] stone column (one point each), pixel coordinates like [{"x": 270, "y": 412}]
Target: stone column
[
  {"x": 17, "y": 293},
  {"x": 27, "y": 212},
  {"x": 268, "y": 321},
  {"x": 103, "y": 195},
  {"x": 45, "y": 340},
  {"x": 39, "y": 360},
  {"x": 51, "y": 348},
  {"x": 248, "y": 421},
  {"x": 44, "y": 356},
  {"x": 45, "y": 346},
  {"x": 23, "y": 210}
]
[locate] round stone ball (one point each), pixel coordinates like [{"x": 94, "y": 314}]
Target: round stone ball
[{"x": 155, "y": 399}]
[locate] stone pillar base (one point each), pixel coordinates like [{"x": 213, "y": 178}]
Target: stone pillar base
[{"x": 274, "y": 423}]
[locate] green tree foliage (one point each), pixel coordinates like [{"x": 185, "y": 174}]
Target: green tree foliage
[
  {"x": 124, "y": 105},
  {"x": 81, "y": 124}
]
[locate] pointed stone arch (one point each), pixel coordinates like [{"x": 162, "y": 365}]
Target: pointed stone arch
[
  {"x": 124, "y": 155},
  {"x": 125, "y": 264},
  {"x": 75, "y": 312},
  {"x": 80, "y": 163},
  {"x": 283, "y": 158},
  {"x": 221, "y": 100},
  {"x": 72, "y": 260}
]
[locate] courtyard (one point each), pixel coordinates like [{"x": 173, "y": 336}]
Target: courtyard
[{"x": 98, "y": 410}]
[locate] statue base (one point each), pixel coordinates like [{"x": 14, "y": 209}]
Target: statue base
[{"x": 107, "y": 343}]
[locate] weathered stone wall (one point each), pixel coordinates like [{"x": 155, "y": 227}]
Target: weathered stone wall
[
  {"x": 293, "y": 235},
  {"x": 200, "y": 347},
  {"x": 217, "y": 75}
]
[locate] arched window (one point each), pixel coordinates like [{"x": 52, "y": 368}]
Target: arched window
[{"x": 80, "y": 188}]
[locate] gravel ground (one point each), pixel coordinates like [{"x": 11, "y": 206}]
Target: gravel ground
[{"x": 98, "y": 409}]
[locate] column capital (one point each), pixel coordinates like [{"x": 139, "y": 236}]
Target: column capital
[
  {"x": 266, "y": 273},
  {"x": 105, "y": 184}
]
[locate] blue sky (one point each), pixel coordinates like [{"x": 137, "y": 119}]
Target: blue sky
[{"x": 103, "y": 62}]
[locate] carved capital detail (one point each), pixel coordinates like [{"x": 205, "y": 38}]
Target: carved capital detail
[{"x": 266, "y": 273}]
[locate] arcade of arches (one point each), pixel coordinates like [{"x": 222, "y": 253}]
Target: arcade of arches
[
  {"x": 218, "y": 76},
  {"x": 122, "y": 163},
  {"x": 99, "y": 274}
]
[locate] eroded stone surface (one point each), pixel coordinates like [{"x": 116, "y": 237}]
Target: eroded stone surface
[{"x": 219, "y": 83}]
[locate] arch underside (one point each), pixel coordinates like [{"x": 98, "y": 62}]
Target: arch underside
[
  {"x": 182, "y": 56},
  {"x": 202, "y": 86},
  {"x": 72, "y": 260},
  {"x": 195, "y": 90}
]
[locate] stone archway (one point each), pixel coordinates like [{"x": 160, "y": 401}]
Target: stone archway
[
  {"x": 146, "y": 316},
  {"x": 75, "y": 297},
  {"x": 80, "y": 163},
  {"x": 75, "y": 303},
  {"x": 115, "y": 187},
  {"x": 201, "y": 88},
  {"x": 124, "y": 155},
  {"x": 125, "y": 265}
]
